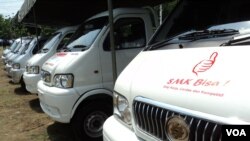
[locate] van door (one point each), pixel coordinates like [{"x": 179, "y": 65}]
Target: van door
[{"x": 130, "y": 38}]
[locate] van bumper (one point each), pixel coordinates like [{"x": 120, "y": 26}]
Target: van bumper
[
  {"x": 113, "y": 130},
  {"x": 31, "y": 81},
  {"x": 16, "y": 75},
  {"x": 3, "y": 59},
  {"x": 8, "y": 68},
  {"x": 57, "y": 102}
]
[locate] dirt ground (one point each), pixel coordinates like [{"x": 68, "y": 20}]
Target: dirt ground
[{"x": 22, "y": 119}]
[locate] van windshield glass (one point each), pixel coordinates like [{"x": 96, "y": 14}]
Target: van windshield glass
[
  {"x": 197, "y": 19},
  {"x": 21, "y": 45},
  {"x": 50, "y": 42},
  {"x": 13, "y": 45},
  {"x": 30, "y": 45},
  {"x": 86, "y": 34}
]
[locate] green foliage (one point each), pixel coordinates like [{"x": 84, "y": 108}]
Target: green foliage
[
  {"x": 46, "y": 31},
  {"x": 9, "y": 31},
  {"x": 4, "y": 27}
]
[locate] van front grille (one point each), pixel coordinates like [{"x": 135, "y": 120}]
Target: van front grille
[{"x": 153, "y": 120}]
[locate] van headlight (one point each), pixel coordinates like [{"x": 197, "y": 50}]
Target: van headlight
[
  {"x": 121, "y": 108},
  {"x": 9, "y": 62},
  {"x": 32, "y": 69},
  {"x": 16, "y": 66},
  {"x": 63, "y": 80}
]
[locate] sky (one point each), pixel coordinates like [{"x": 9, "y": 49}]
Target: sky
[{"x": 9, "y": 8}]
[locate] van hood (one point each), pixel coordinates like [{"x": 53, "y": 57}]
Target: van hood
[
  {"x": 36, "y": 59},
  {"x": 13, "y": 57},
  {"x": 19, "y": 58},
  {"x": 209, "y": 80},
  {"x": 6, "y": 51},
  {"x": 59, "y": 61}
]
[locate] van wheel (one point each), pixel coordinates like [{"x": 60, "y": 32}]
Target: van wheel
[
  {"x": 23, "y": 86},
  {"x": 88, "y": 121}
]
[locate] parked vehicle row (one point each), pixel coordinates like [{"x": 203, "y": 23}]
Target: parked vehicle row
[
  {"x": 182, "y": 84},
  {"x": 72, "y": 72}
]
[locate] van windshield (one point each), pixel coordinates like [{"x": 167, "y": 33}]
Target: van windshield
[
  {"x": 197, "y": 19},
  {"x": 30, "y": 45},
  {"x": 50, "y": 42},
  {"x": 86, "y": 34},
  {"x": 21, "y": 45},
  {"x": 13, "y": 45}
]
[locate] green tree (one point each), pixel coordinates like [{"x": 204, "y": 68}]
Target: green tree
[
  {"x": 5, "y": 28},
  {"x": 9, "y": 31}
]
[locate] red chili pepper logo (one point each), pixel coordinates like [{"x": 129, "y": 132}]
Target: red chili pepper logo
[{"x": 204, "y": 65}]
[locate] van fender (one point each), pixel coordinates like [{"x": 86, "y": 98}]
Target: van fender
[{"x": 90, "y": 94}]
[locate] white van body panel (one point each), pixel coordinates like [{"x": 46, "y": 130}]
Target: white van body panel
[{"x": 184, "y": 86}]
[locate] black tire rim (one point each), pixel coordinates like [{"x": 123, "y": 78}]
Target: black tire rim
[{"x": 93, "y": 124}]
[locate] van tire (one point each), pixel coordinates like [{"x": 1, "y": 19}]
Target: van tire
[
  {"x": 88, "y": 116},
  {"x": 23, "y": 86}
]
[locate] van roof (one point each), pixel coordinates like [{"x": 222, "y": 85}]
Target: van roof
[
  {"x": 67, "y": 28},
  {"x": 119, "y": 11}
]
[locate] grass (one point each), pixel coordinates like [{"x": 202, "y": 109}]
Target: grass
[{"x": 22, "y": 119}]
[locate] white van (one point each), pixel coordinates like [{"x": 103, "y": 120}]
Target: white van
[
  {"x": 32, "y": 74},
  {"x": 13, "y": 55},
  {"x": 77, "y": 84},
  {"x": 190, "y": 80},
  {"x": 10, "y": 49},
  {"x": 19, "y": 63}
]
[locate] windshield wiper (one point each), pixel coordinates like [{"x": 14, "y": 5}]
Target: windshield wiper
[
  {"x": 45, "y": 50},
  {"x": 193, "y": 36},
  {"x": 238, "y": 40},
  {"x": 69, "y": 49},
  {"x": 160, "y": 44},
  {"x": 79, "y": 46},
  {"x": 205, "y": 34}
]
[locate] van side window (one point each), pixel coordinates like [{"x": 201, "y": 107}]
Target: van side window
[
  {"x": 129, "y": 33},
  {"x": 64, "y": 41}
]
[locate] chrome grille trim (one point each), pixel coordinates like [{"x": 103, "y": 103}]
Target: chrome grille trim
[
  {"x": 212, "y": 136},
  {"x": 196, "y": 130},
  {"x": 188, "y": 112},
  {"x": 162, "y": 129},
  {"x": 151, "y": 118}
]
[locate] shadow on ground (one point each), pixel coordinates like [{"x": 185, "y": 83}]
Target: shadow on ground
[
  {"x": 20, "y": 91},
  {"x": 35, "y": 105},
  {"x": 10, "y": 82},
  {"x": 60, "y": 132}
]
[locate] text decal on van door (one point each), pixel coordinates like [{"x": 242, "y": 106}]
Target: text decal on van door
[{"x": 206, "y": 64}]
